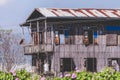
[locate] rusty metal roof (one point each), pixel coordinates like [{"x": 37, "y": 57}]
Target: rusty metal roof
[{"x": 56, "y": 12}]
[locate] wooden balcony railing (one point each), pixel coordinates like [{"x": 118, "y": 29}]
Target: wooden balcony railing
[{"x": 31, "y": 49}]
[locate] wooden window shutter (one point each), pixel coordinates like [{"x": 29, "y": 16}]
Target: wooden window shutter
[
  {"x": 111, "y": 39},
  {"x": 36, "y": 38}
]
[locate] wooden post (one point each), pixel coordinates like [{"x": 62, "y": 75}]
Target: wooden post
[
  {"x": 52, "y": 36},
  {"x": 37, "y": 26},
  {"x": 38, "y": 60},
  {"x": 29, "y": 28},
  {"x": 45, "y": 32}
]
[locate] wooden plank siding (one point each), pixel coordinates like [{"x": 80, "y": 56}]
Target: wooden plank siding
[
  {"x": 76, "y": 49},
  {"x": 79, "y": 52}
]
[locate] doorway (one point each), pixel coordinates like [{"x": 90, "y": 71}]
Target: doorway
[{"x": 91, "y": 64}]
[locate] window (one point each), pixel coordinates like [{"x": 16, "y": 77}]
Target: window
[
  {"x": 90, "y": 36},
  {"x": 56, "y": 38},
  {"x": 66, "y": 64},
  {"x": 67, "y": 40},
  {"x": 62, "y": 37},
  {"x": 111, "y": 39},
  {"x": 112, "y": 35},
  {"x": 115, "y": 63},
  {"x": 34, "y": 57},
  {"x": 38, "y": 38},
  {"x": 91, "y": 64},
  {"x": 95, "y": 37}
]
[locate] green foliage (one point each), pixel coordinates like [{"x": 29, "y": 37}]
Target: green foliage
[
  {"x": 106, "y": 74},
  {"x": 20, "y": 75},
  {"x": 23, "y": 75},
  {"x": 6, "y": 76}
]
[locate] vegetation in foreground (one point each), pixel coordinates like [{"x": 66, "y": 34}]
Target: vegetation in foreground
[{"x": 106, "y": 74}]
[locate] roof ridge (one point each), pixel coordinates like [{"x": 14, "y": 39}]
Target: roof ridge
[{"x": 82, "y": 8}]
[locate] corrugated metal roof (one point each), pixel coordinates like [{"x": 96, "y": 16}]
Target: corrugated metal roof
[{"x": 55, "y": 12}]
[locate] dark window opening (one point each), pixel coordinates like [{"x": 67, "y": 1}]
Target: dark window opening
[
  {"x": 91, "y": 64},
  {"x": 34, "y": 57},
  {"x": 66, "y": 64},
  {"x": 41, "y": 37},
  {"x": 88, "y": 37},
  {"x": 114, "y": 63}
]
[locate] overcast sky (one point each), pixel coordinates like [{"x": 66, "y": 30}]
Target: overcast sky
[{"x": 14, "y": 12}]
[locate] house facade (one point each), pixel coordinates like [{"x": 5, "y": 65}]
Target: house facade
[{"x": 69, "y": 38}]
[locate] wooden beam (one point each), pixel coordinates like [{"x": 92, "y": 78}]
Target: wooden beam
[{"x": 40, "y": 18}]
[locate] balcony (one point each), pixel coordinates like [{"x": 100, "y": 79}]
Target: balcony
[{"x": 32, "y": 49}]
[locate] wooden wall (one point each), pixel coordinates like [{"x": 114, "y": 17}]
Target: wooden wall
[{"x": 78, "y": 51}]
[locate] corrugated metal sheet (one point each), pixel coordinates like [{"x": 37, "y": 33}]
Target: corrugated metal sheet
[{"x": 54, "y": 12}]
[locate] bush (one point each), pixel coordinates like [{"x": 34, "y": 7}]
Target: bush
[
  {"x": 106, "y": 74},
  {"x": 15, "y": 75}
]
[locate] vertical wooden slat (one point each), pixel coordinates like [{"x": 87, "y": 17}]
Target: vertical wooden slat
[
  {"x": 118, "y": 39},
  {"x": 52, "y": 35},
  {"x": 38, "y": 36}
]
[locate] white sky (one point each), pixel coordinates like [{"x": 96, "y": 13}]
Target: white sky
[{"x": 3, "y": 2}]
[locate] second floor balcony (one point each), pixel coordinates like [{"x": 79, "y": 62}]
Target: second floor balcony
[{"x": 33, "y": 49}]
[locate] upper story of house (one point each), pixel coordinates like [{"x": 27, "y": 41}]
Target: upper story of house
[{"x": 72, "y": 27}]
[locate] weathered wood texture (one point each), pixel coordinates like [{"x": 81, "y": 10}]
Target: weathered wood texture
[
  {"x": 108, "y": 45},
  {"x": 32, "y": 49},
  {"x": 111, "y": 39},
  {"x": 79, "y": 52}
]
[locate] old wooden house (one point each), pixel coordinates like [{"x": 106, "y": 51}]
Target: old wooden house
[{"x": 69, "y": 38}]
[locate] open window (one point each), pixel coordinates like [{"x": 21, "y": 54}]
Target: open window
[
  {"x": 91, "y": 64},
  {"x": 114, "y": 63},
  {"x": 66, "y": 64},
  {"x": 38, "y": 38},
  {"x": 62, "y": 37},
  {"x": 90, "y": 36},
  {"x": 41, "y": 37},
  {"x": 56, "y": 38},
  {"x": 95, "y": 36}
]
